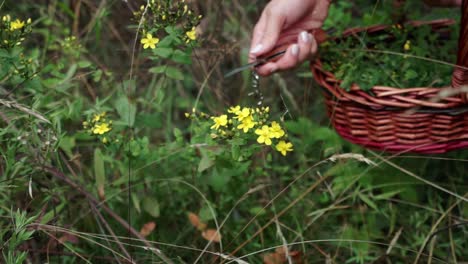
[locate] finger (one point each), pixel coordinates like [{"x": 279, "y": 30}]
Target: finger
[
  {"x": 290, "y": 34},
  {"x": 274, "y": 21},
  {"x": 258, "y": 33},
  {"x": 287, "y": 61},
  {"x": 313, "y": 47},
  {"x": 304, "y": 41}
]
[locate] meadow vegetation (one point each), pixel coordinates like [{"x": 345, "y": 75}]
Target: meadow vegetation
[{"x": 122, "y": 142}]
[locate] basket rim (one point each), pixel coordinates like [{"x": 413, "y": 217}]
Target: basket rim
[{"x": 386, "y": 96}]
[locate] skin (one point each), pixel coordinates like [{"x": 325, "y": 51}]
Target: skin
[{"x": 286, "y": 23}]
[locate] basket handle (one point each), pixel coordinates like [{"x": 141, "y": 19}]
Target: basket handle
[{"x": 460, "y": 74}]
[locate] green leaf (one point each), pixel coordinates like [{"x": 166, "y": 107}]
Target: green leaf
[
  {"x": 151, "y": 206},
  {"x": 99, "y": 170},
  {"x": 174, "y": 73},
  {"x": 368, "y": 201},
  {"x": 126, "y": 110},
  {"x": 386, "y": 195},
  {"x": 84, "y": 64},
  {"x": 158, "y": 69},
  {"x": 178, "y": 134},
  {"x": 258, "y": 210},
  {"x": 410, "y": 74},
  {"x": 67, "y": 144},
  {"x": 136, "y": 202},
  {"x": 235, "y": 152},
  {"x": 205, "y": 163},
  {"x": 51, "y": 82},
  {"x": 219, "y": 180},
  {"x": 52, "y": 213},
  {"x": 181, "y": 57},
  {"x": 149, "y": 120},
  {"x": 172, "y": 30},
  {"x": 70, "y": 73},
  {"x": 97, "y": 75},
  {"x": 4, "y": 53},
  {"x": 163, "y": 52},
  {"x": 206, "y": 214},
  {"x": 165, "y": 42},
  {"x": 135, "y": 148}
]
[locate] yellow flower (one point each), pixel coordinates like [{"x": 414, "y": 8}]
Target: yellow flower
[
  {"x": 264, "y": 134},
  {"x": 234, "y": 109},
  {"x": 284, "y": 147},
  {"x": 276, "y": 130},
  {"x": 246, "y": 124},
  {"x": 219, "y": 121},
  {"x": 98, "y": 117},
  {"x": 101, "y": 128},
  {"x": 17, "y": 24},
  {"x": 149, "y": 41},
  {"x": 407, "y": 45},
  {"x": 185, "y": 9},
  {"x": 245, "y": 112},
  {"x": 6, "y": 18},
  {"x": 192, "y": 34}
]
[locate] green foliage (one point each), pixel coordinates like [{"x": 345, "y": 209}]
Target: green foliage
[
  {"x": 94, "y": 135},
  {"x": 14, "y": 237}
]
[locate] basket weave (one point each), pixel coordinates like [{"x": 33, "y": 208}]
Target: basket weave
[{"x": 421, "y": 119}]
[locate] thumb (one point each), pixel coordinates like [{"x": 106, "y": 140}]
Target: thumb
[{"x": 268, "y": 33}]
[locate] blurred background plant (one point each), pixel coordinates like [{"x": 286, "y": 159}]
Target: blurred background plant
[{"x": 99, "y": 162}]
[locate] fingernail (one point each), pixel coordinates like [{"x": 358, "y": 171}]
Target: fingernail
[
  {"x": 295, "y": 49},
  {"x": 256, "y": 48},
  {"x": 305, "y": 37}
]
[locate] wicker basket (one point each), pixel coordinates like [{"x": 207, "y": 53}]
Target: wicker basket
[{"x": 422, "y": 120}]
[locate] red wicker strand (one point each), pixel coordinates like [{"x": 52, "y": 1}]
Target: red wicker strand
[{"x": 460, "y": 75}]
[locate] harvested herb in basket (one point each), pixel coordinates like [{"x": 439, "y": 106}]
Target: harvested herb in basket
[{"x": 400, "y": 56}]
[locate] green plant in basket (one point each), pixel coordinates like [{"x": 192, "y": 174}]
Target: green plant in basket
[{"x": 399, "y": 56}]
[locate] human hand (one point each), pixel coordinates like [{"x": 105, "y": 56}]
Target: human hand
[{"x": 282, "y": 23}]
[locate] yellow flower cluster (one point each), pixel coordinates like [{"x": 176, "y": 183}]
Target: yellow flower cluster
[
  {"x": 15, "y": 24},
  {"x": 247, "y": 119},
  {"x": 98, "y": 125},
  {"x": 14, "y": 30},
  {"x": 158, "y": 17}
]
